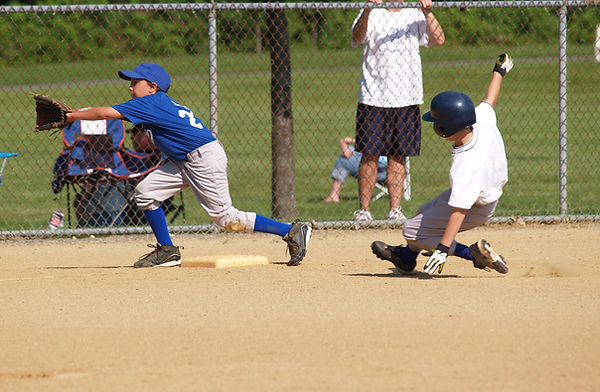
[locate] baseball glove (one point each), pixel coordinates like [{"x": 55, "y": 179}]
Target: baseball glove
[{"x": 50, "y": 113}]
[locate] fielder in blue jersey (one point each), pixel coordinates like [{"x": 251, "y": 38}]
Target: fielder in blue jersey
[{"x": 196, "y": 160}]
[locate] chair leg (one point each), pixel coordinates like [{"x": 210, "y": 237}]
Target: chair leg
[
  {"x": 68, "y": 205},
  {"x": 182, "y": 206},
  {"x": 407, "y": 187},
  {"x": 2, "y": 168},
  {"x": 382, "y": 191}
]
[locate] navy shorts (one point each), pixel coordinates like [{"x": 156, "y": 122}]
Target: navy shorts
[{"x": 388, "y": 131}]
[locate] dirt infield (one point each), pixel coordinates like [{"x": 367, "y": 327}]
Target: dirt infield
[{"x": 76, "y": 316}]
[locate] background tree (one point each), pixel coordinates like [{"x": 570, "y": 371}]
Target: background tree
[{"x": 283, "y": 182}]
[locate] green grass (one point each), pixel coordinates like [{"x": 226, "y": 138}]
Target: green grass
[{"x": 324, "y": 102}]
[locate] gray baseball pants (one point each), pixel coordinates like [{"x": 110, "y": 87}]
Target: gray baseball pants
[
  {"x": 426, "y": 229},
  {"x": 205, "y": 172}
]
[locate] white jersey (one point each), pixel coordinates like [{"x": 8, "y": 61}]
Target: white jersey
[
  {"x": 391, "y": 65},
  {"x": 479, "y": 169}
]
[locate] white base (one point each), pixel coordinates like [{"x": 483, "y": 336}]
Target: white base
[{"x": 224, "y": 261}]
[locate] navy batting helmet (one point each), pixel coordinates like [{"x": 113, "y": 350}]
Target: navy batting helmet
[{"x": 451, "y": 111}]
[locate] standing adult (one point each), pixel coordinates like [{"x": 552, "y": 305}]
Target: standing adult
[{"x": 391, "y": 89}]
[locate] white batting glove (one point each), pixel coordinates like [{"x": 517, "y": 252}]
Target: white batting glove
[
  {"x": 437, "y": 260},
  {"x": 504, "y": 64}
]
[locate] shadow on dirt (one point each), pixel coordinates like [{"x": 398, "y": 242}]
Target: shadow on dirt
[
  {"x": 407, "y": 275},
  {"x": 88, "y": 267}
]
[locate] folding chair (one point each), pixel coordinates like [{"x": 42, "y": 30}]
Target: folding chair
[
  {"x": 382, "y": 189},
  {"x": 103, "y": 173},
  {"x": 4, "y": 156}
]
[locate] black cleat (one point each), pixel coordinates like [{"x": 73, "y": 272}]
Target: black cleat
[
  {"x": 392, "y": 254},
  {"x": 161, "y": 256},
  {"x": 297, "y": 239}
]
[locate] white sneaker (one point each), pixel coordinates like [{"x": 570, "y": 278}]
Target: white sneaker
[
  {"x": 363, "y": 216},
  {"x": 396, "y": 214}
]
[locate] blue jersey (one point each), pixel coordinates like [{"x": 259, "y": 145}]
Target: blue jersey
[{"x": 172, "y": 127}]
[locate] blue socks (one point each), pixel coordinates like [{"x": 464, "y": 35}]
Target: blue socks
[
  {"x": 408, "y": 254},
  {"x": 158, "y": 223},
  {"x": 266, "y": 225},
  {"x": 463, "y": 251}
]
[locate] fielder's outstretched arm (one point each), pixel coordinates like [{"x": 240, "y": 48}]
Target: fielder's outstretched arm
[{"x": 95, "y": 113}]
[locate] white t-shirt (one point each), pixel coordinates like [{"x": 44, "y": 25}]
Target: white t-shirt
[
  {"x": 479, "y": 169},
  {"x": 391, "y": 65}
]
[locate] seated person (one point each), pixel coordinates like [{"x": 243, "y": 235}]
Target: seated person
[
  {"x": 348, "y": 163},
  {"x": 103, "y": 203},
  {"x": 140, "y": 142}
]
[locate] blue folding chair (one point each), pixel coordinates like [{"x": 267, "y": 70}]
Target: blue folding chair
[
  {"x": 4, "y": 156},
  {"x": 95, "y": 163}
]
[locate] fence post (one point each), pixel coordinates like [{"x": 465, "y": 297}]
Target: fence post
[
  {"x": 562, "y": 108},
  {"x": 212, "y": 67},
  {"x": 597, "y": 45}
]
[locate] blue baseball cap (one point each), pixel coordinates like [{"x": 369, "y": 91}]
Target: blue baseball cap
[{"x": 151, "y": 72}]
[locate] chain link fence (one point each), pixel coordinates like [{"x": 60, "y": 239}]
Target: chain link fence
[{"x": 281, "y": 117}]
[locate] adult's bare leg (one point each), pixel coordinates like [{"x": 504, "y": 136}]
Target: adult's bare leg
[
  {"x": 367, "y": 176},
  {"x": 334, "y": 194},
  {"x": 395, "y": 179}
]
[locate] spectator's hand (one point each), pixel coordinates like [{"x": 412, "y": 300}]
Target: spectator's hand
[
  {"x": 426, "y": 5},
  {"x": 437, "y": 260},
  {"x": 504, "y": 64},
  {"x": 344, "y": 143}
]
